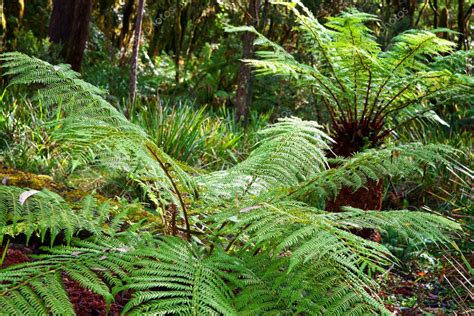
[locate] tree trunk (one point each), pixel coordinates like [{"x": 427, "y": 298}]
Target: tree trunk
[
  {"x": 136, "y": 47},
  {"x": 461, "y": 24},
  {"x": 13, "y": 14},
  {"x": 69, "y": 26},
  {"x": 367, "y": 198},
  {"x": 127, "y": 13},
  {"x": 436, "y": 13},
  {"x": 244, "y": 79}
]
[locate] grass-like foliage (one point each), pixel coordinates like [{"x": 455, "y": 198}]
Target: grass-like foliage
[{"x": 258, "y": 240}]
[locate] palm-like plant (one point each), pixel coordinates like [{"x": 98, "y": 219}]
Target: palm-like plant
[
  {"x": 367, "y": 92},
  {"x": 255, "y": 245}
]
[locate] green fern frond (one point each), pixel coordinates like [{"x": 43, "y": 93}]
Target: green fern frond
[
  {"x": 93, "y": 132},
  {"x": 420, "y": 227},
  {"x": 165, "y": 277},
  {"x": 177, "y": 280},
  {"x": 290, "y": 151},
  {"x": 42, "y": 212},
  {"x": 316, "y": 288},
  {"x": 373, "y": 164}
]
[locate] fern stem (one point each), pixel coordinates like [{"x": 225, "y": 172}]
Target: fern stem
[{"x": 178, "y": 193}]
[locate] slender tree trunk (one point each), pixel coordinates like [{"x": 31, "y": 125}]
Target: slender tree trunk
[
  {"x": 13, "y": 14},
  {"x": 127, "y": 13},
  {"x": 136, "y": 47},
  {"x": 461, "y": 24},
  {"x": 436, "y": 13},
  {"x": 244, "y": 79},
  {"x": 153, "y": 43},
  {"x": 69, "y": 26}
]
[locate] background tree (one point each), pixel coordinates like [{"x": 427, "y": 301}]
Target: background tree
[
  {"x": 243, "y": 98},
  {"x": 136, "y": 48},
  {"x": 69, "y": 26}
]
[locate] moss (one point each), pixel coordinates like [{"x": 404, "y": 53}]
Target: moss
[
  {"x": 22, "y": 179},
  {"x": 18, "y": 178}
]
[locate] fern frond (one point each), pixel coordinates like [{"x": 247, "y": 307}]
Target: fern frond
[
  {"x": 420, "y": 227},
  {"x": 38, "y": 286},
  {"x": 291, "y": 151},
  {"x": 166, "y": 277},
  {"x": 93, "y": 132},
  {"x": 177, "y": 280},
  {"x": 316, "y": 288},
  {"x": 42, "y": 212},
  {"x": 375, "y": 164}
]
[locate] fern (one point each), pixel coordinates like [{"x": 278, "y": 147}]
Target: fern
[
  {"x": 166, "y": 277},
  {"x": 38, "y": 286},
  {"x": 94, "y": 133},
  {"x": 180, "y": 281},
  {"x": 42, "y": 212},
  {"x": 290, "y": 151},
  {"x": 367, "y": 92},
  {"x": 261, "y": 244},
  {"x": 374, "y": 164}
]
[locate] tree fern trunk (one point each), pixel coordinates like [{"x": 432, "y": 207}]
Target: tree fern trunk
[{"x": 368, "y": 198}]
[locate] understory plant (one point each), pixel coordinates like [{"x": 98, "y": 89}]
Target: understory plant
[
  {"x": 252, "y": 239},
  {"x": 368, "y": 93}
]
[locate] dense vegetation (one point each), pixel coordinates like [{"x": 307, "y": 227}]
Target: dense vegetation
[{"x": 236, "y": 157}]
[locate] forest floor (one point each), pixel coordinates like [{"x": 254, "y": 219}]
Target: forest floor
[{"x": 414, "y": 292}]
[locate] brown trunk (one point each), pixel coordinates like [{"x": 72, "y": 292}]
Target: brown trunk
[
  {"x": 153, "y": 43},
  {"x": 367, "y": 198},
  {"x": 69, "y": 26},
  {"x": 436, "y": 13},
  {"x": 461, "y": 24},
  {"x": 136, "y": 48},
  {"x": 444, "y": 22},
  {"x": 244, "y": 79},
  {"x": 13, "y": 13},
  {"x": 127, "y": 13},
  {"x": 408, "y": 7}
]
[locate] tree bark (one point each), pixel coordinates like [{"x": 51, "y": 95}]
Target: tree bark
[
  {"x": 136, "y": 48},
  {"x": 461, "y": 24},
  {"x": 69, "y": 26},
  {"x": 127, "y": 13},
  {"x": 436, "y": 13},
  {"x": 244, "y": 79}
]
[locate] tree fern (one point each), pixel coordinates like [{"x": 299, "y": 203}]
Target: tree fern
[
  {"x": 261, "y": 242},
  {"x": 374, "y": 164},
  {"x": 364, "y": 89}
]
